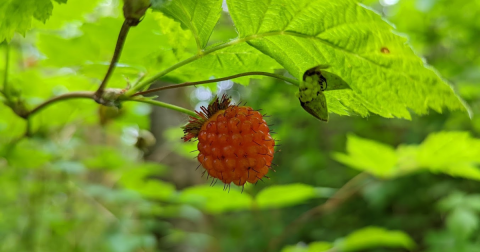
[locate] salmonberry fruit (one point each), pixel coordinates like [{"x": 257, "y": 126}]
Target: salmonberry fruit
[{"x": 234, "y": 142}]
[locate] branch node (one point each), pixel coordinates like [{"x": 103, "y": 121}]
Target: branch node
[{"x": 109, "y": 97}]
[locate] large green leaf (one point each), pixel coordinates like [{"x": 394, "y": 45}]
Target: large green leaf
[
  {"x": 17, "y": 15},
  {"x": 199, "y": 16},
  {"x": 385, "y": 75},
  {"x": 454, "y": 153}
]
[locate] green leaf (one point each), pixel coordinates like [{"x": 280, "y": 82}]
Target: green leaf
[
  {"x": 367, "y": 155},
  {"x": 213, "y": 199},
  {"x": 385, "y": 75},
  {"x": 462, "y": 222},
  {"x": 473, "y": 202},
  {"x": 199, "y": 16},
  {"x": 454, "y": 153},
  {"x": 16, "y": 15},
  {"x": 311, "y": 88},
  {"x": 373, "y": 237},
  {"x": 312, "y": 247},
  {"x": 284, "y": 195},
  {"x": 75, "y": 10},
  {"x": 142, "y": 179},
  {"x": 239, "y": 58},
  {"x": 317, "y": 107},
  {"x": 144, "y": 47},
  {"x": 452, "y": 201}
]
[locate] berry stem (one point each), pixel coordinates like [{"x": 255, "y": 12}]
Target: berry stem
[
  {"x": 116, "y": 55},
  {"x": 164, "y": 105},
  {"x": 186, "y": 84}
]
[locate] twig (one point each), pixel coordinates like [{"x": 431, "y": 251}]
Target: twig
[
  {"x": 71, "y": 95},
  {"x": 344, "y": 193},
  {"x": 116, "y": 55},
  {"x": 186, "y": 84}
]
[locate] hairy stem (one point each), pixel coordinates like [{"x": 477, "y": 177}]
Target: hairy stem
[
  {"x": 67, "y": 96},
  {"x": 116, "y": 55},
  {"x": 344, "y": 193},
  {"x": 186, "y": 84},
  {"x": 164, "y": 105}
]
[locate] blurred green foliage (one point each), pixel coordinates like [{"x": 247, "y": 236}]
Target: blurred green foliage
[{"x": 80, "y": 182}]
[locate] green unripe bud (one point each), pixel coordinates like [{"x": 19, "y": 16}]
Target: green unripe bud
[{"x": 134, "y": 10}]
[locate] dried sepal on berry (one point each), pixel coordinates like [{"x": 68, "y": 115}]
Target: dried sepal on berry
[{"x": 194, "y": 125}]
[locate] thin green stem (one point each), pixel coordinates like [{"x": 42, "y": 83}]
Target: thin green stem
[
  {"x": 164, "y": 105},
  {"x": 67, "y": 96},
  {"x": 116, "y": 55},
  {"x": 186, "y": 84}
]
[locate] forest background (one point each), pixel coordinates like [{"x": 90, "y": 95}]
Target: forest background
[{"x": 78, "y": 176}]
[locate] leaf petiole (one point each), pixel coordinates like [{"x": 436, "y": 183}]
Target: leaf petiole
[
  {"x": 163, "y": 105},
  {"x": 149, "y": 81},
  {"x": 186, "y": 84}
]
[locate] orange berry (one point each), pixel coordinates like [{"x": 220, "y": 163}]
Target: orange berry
[{"x": 234, "y": 142}]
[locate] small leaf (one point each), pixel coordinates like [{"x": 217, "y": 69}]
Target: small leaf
[
  {"x": 310, "y": 93},
  {"x": 328, "y": 81},
  {"x": 373, "y": 237},
  {"x": 213, "y": 199},
  {"x": 312, "y": 247},
  {"x": 284, "y": 195},
  {"x": 334, "y": 82},
  {"x": 367, "y": 155},
  {"x": 317, "y": 107}
]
